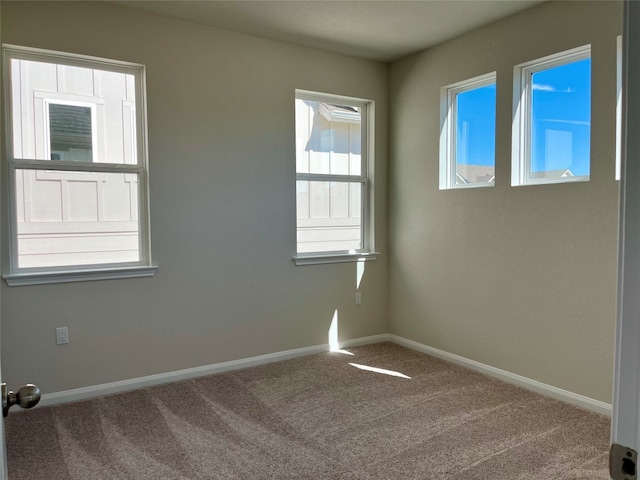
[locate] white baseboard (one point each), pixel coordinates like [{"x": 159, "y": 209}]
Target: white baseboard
[
  {"x": 538, "y": 387},
  {"x": 358, "y": 342},
  {"x": 94, "y": 391}
]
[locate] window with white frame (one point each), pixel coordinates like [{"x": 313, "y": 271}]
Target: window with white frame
[
  {"x": 77, "y": 164},
  {"x": 552, "y": 119},
  {"x": 333, "y": 188},
  {"x": 468, "y": 133}
]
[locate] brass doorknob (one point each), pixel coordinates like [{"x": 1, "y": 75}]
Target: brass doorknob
[{"x": 27, "y": 397}]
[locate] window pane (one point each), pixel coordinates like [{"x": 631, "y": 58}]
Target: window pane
[
  {"x": 60, "y": 112},
  {"x": 328, "y": 138},
  {"x": 76, "y": 218},
  {"x": 475, "y": 135},
  {"x": 71, "y": 133},
  {"x": 561, "y": 121},
  {"x": 329, "y": 216}
]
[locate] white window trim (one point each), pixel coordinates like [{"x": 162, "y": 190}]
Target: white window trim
[
  {"x": 367, "y": 214},
  {"x": 41, "y": 278},
  {"x": 521, "y": 127},
  {"x": 337, "y": 257},
  {"x": 74, "y": 273},
  {"x": 448, "y": 121}
]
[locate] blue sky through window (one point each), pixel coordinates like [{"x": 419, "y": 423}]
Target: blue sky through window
[
  {"x": 476, "y": 126},
  {"x": 560, "y": 121},
  {"x": 561, "y": 118}
]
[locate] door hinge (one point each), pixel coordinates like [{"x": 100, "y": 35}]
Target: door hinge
[{"x": 623, "y": 463}]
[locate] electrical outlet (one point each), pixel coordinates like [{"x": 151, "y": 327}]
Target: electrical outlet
[
  {"x": 358, "y": 298},
  {"x": 62, "y": 335}
]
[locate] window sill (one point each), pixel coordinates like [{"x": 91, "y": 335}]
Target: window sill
[
  {"x": 41, "y": 278},
  {"x": 553, "y": 181},
  {"x": 470, "y": 185},
  {"x": 318, "y": 259}
]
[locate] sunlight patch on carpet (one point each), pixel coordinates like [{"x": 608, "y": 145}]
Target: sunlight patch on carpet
[{"x": 380, "y": 370}]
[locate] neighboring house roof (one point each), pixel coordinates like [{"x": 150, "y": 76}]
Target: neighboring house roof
[
  {"x": 486, "y": 174},
  {"x": 475, "y": 174},
  {"x": 552, "y": 174},
  {"x": 340, "y": 113},
  {"x": 345, "y": 107}
]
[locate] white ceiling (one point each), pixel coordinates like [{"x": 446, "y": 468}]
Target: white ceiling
[{"x": 382, "y": 30}]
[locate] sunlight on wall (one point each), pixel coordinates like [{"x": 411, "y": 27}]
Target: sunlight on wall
[
  {"x": 334, "y": 344},
  {"x": 333, "y": 333},
  {"x": 359, "y": 272}
]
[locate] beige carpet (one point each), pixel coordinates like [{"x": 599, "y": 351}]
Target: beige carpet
[{"x": 317, "y": 417}]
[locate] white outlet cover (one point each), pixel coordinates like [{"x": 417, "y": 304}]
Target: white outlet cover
[{"x": 62, "y": 335}]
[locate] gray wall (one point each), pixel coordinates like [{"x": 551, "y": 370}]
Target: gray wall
[
  {"x": 524, "y": 278},
  {"x": 222, "y": 182}
]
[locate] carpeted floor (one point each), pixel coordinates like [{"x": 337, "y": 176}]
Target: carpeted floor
[{"x": 317, "y": 417}]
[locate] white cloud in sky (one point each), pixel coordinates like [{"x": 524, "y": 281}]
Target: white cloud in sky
[
  {"x": 541, "y": 87},
  {"x": 570, "y": 122}
]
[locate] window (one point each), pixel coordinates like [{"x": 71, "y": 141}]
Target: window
[
  {"x": 333, "y": 198},
  {"x": 71, "y": 130},
  {"x": 468, "y": 133},
  {"x": 552, "y": 119},
  {"x": 77, "y": 165}
]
